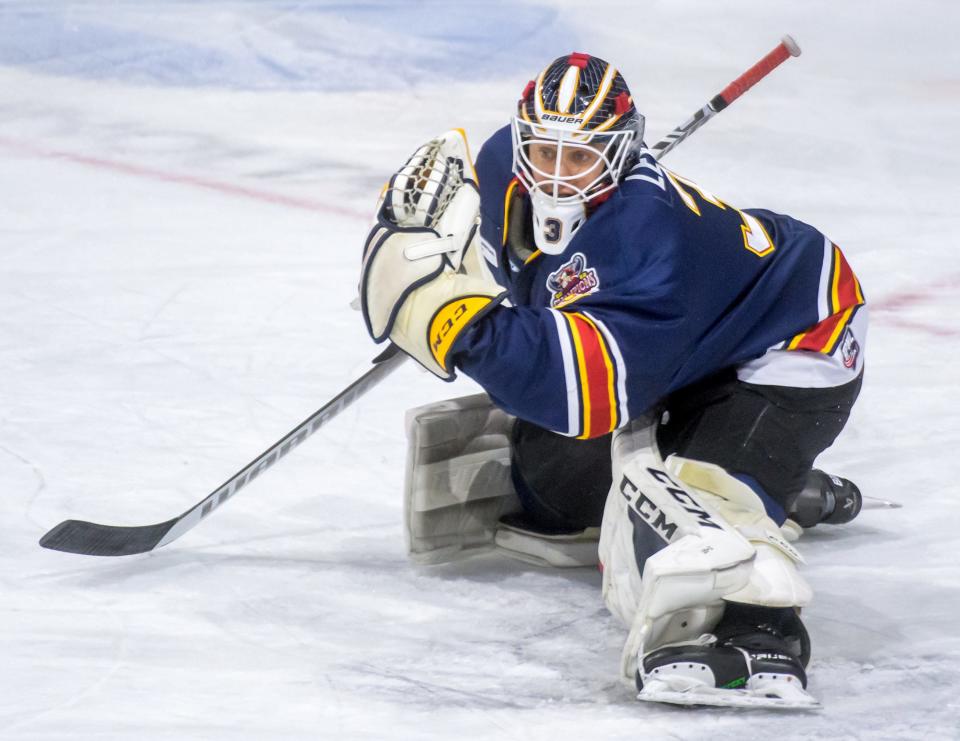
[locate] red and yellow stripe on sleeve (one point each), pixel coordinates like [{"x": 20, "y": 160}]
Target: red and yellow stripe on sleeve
[
  {"x": 843, "y": 297},
  {"x": 596, "y": 376}
]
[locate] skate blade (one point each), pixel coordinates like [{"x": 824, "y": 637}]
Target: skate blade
[
  {"x": 795, "y": 699},
  {"x": 877, "y": 503}
]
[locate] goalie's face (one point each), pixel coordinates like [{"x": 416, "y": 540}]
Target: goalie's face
[
  {"x": 573, "y": 167},
  {"x": 568, "y": 166}
]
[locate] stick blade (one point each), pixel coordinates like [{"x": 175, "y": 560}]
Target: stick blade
[{"x": 92, "y": 539}]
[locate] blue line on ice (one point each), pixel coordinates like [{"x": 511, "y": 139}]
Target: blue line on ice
[{"x": 280, "y": 45}]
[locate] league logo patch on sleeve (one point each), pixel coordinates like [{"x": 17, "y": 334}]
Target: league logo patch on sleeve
[
  {"x": 573, "y": 280},
  {"x": 849, "y": 348}
]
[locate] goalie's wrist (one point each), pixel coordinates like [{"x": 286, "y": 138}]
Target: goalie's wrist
[
  {"x": 452, "y": 321},
  {"x": 438, "y": 314}
]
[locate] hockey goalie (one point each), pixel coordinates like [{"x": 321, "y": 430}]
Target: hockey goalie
[{"x": 661, "y": 370}]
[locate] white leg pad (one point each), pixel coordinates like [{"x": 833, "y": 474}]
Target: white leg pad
[
  {"x": 458, "y": 488},
  {"x": 669, "y": 558},
  {"x": 457, "y": 484},
  {"x": 774, "y": 580}
]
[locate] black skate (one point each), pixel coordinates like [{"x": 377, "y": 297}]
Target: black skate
[
  {"x": 826, "y": 499},
  {"x": 756, "y": 658}
]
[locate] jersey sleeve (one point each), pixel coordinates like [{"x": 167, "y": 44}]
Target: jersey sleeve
[
  {"x": 567, "y": 369},
  {"x": 524, "y": 359}
]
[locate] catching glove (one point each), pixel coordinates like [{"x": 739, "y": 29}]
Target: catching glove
[{"x": 422, "y": 282}]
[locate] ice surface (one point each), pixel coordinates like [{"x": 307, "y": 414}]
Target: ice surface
[{"x": 184, "y": 189}]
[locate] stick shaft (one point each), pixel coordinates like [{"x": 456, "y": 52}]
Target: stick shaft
[{"x": 391, "y": 360}]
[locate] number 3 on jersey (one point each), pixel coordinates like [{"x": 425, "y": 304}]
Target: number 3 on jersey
[{"x": 755, "y": 237}]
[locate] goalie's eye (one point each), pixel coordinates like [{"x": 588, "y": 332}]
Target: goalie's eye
[
  {"x": 543, "y": 156},
  {"x": 580, "y": 158}
]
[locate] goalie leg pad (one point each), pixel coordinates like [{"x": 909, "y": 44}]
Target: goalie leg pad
[
  {"x": 668, "y": 557},
  {"x": 757, "y": 657},
  {"x": 774, "y": 579},
  {"x": 457, "y": 484},
  {"x": 459, "y": 498}
]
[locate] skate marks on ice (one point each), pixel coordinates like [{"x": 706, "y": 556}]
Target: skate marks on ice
[
  {"x": 332, "y": 611},
  {"x": 527, "y": 638},
  {"x": 34, "y": 483}
]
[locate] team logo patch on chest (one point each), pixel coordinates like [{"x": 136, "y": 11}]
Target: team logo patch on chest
[{"x": 571, "y": 281}]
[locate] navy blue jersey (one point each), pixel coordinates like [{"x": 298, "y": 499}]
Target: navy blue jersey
[{"x": 664, "y": 284}]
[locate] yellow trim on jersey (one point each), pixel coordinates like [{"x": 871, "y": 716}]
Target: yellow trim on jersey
[
  {"x": 841, "y": 325},
  {"x": 678, "y": 182},
  {"x": 583, "y": 376},
  {"x": 684, "y": 196},
  {"x": 705, "y": 194},
  {"x": 506, "y": 208},
  {"x": 747, "y": 231},
  {"x": 608, "y": 362},
  {"x": 835, "y": 281}
]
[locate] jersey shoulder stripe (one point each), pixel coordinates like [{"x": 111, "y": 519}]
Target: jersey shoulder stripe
[
  {"x": 842, "y": 295},
  {"x": 507, "y": 200}
]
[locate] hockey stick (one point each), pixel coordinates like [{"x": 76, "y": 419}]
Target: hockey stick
[
  {"x": 784, "y": 50},
  {"x": 90, "y": 538}
]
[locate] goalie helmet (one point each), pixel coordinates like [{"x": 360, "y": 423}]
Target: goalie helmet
[{"x": 576, "y": 133}]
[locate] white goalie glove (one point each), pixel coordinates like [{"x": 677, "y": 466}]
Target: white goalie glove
[{"x": 422, "y": 282}]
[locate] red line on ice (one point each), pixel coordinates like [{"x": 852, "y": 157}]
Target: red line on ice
[
  {"x": 889, "y": 304},
  {"x": 921, "y": 326},
  {"x": 172, "y": 177}
]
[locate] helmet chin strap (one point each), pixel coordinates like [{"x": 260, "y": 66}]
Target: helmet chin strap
[{"x": 555, "y": 224}]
